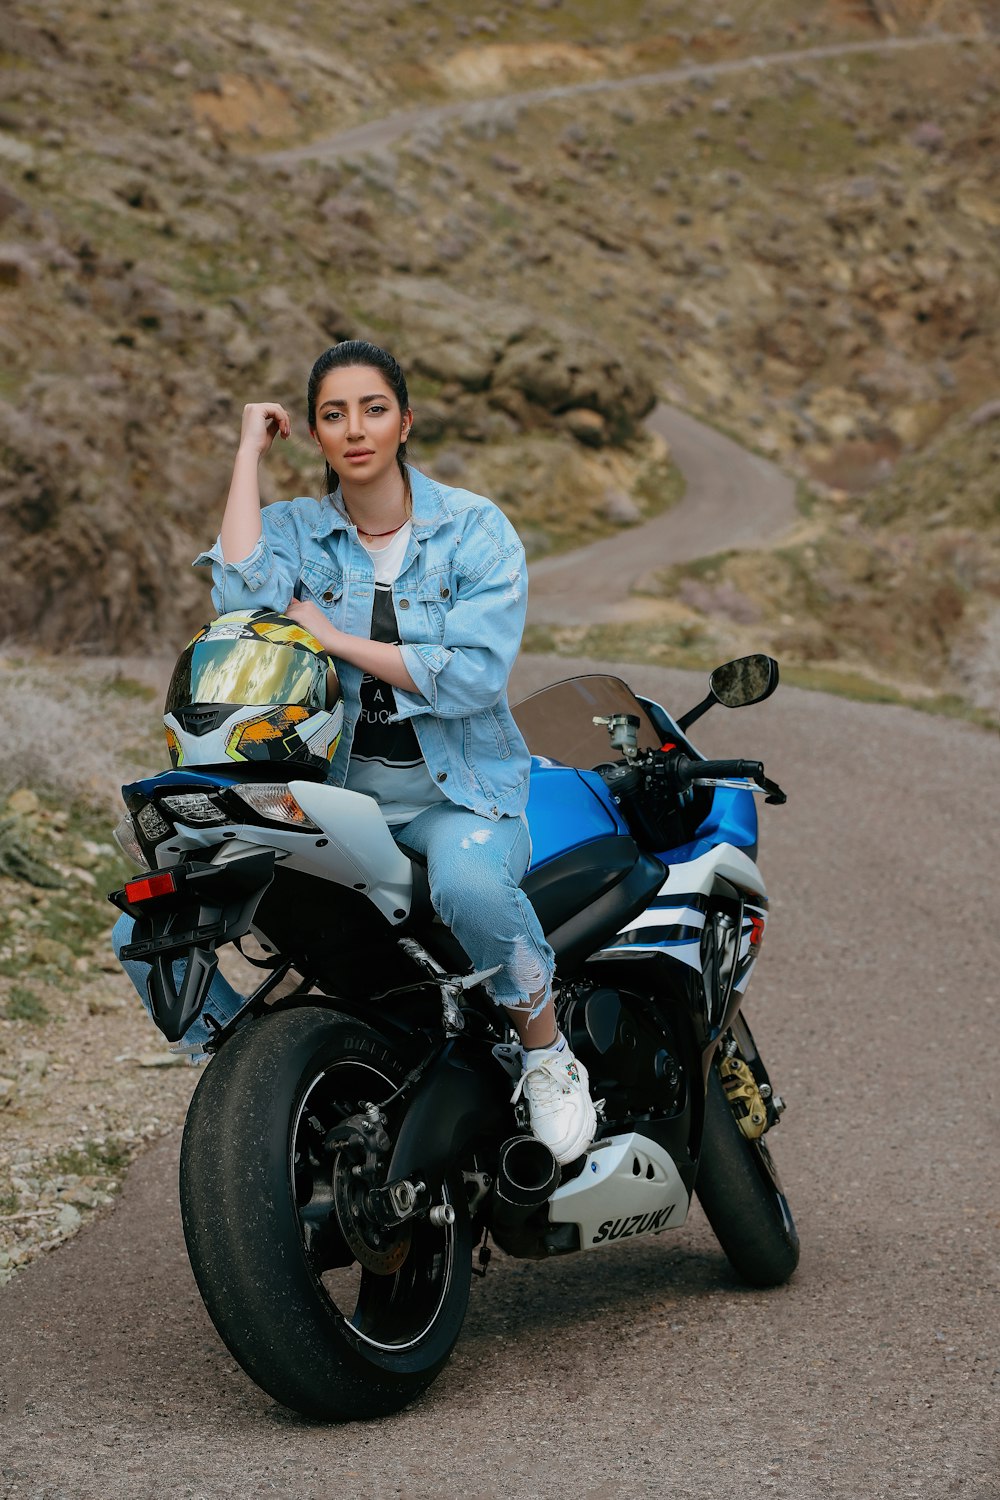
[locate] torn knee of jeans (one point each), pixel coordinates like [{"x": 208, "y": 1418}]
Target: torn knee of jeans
[{"x": 530, "y": 976}]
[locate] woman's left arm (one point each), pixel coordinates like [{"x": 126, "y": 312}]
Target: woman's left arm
[
  {"x": 377, "y": 657},
  {"x": 470, "y": 668}
]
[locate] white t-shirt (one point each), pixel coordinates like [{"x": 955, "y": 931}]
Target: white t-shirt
[{"x": 386, "y": 762}]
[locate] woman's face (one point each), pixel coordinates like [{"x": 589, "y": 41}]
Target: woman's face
[{"x": 359, "y": 425}]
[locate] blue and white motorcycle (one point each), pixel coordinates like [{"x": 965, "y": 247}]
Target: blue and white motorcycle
[{"x": 352, "y": 1143}]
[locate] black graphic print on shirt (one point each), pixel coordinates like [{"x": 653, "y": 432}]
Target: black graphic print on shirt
[{"x": 375, "y": 738}]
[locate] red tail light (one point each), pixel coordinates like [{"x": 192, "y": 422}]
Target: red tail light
[{"x": 150, "y": 886}]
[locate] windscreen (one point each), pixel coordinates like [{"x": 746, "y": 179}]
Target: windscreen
[
  {"x": 558, "y": 722},
  {"x": 247, "y": 671}
]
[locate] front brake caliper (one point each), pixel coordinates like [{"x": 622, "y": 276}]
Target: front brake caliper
[{"x": 745, "y": 1099}]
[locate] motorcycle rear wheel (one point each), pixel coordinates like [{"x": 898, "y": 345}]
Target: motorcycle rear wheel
[
  {"x": 740, "y": 1191},
  {"x": 320, "y": 1333}
]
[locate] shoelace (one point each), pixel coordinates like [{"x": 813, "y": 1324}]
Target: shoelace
[{"x": 547, "y": 1068}]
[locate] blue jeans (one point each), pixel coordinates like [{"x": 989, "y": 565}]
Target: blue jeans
[{"x": 474, "y": 867}]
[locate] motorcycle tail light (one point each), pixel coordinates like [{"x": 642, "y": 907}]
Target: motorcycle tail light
[
  {"x": 275, "y": 802},
  {"x": 150, "y": 886},
  {"x": 194, "y": 807},
  {"x": 150, "y": 825},
  {"x": 127, "y": 840}
]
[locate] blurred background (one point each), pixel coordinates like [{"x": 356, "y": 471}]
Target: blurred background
[{"x": 588, "y": 208}]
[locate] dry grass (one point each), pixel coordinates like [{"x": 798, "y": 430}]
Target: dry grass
[{"x": 75, "y": 729}]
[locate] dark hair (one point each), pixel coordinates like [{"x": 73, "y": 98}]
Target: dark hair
[{"x": 349, "y": 354}]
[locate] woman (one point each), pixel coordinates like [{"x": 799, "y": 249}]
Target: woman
[{"x": 419, "y": 592}]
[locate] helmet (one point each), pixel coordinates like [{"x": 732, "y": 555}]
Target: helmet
[{"x": 254, "y": 687}]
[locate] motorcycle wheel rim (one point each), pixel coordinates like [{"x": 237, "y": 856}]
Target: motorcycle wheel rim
[{"x": 408, "y": 1301}]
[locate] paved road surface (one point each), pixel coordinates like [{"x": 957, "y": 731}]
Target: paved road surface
[
  {"x": 732, "y": 498},
  {"x": 646, "y": 1369},
  {"x": 376, "y": 135}
]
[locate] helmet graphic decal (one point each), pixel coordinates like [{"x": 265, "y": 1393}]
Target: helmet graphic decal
[{"x": 272, "y": 736}]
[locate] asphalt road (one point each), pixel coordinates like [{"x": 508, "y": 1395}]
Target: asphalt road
[
  {"x": 645, "y": 1368},
  {"x": 732, "y": 498},
  {"x": 389, "y": 130}
]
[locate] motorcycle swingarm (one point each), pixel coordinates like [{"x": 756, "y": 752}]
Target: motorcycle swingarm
[{"x": 463, "y": 1096}]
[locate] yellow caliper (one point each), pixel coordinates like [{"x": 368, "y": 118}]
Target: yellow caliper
[{"x": 744, "y": 1097}]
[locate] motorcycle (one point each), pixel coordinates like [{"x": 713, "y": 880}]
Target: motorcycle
[{"x": 352, "y": 1143}]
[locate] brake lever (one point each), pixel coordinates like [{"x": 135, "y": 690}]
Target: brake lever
[{"x": 774, "y": 793}]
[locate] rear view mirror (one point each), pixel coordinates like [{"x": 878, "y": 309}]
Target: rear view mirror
[{"x": 750, "y": 679}]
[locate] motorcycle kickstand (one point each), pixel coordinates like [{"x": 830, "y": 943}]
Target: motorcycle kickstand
[{"x": 484, "y": 1256}]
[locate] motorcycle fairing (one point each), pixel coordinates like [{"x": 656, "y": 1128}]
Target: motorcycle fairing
[
  {"x": 564, "y": 886},
  {"x": 629, "y": 1185},
  {"x": 732, "y": 819},
  {"x": 675, "y": 920},
  {"x": 574, "y": 939},
  {"x": 351, "y": 845}
]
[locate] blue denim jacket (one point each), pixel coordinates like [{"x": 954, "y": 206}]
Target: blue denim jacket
[{"x": 460, "y": 602}]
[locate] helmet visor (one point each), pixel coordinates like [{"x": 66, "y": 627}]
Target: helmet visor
[{"x": 247, "y": 671}]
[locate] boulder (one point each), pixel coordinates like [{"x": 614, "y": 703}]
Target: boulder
[
  {"x": 587, "y": 426},
  {"x": 620, "y": 508}
]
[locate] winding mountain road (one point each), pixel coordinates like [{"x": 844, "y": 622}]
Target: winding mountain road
[
  {"x": 732, "y": 498},
  {"x": 644, "y": 1368},
  {"x": 377, "y": 135}
]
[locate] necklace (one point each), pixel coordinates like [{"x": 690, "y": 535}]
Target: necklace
[{"x": 374, "y": 536}]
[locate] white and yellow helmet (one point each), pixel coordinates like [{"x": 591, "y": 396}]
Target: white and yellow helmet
[{"x": 252, "y": 686}]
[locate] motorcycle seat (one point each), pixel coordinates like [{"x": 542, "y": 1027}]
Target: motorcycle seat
[{"x": 568, "y": 886}]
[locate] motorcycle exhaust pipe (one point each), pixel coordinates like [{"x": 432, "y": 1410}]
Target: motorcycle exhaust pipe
[{"x": 527, "y": 1175}]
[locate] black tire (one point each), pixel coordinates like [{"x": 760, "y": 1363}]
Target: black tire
[
  {"x": 265, "y": 1245},
  {"x": 739, "y": 1189}
]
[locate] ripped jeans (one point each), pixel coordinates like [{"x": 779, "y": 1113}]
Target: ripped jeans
[{"x": 474, "y": 868}]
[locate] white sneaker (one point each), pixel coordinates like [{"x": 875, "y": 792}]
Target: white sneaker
[{"x": 557, "y": 1089}]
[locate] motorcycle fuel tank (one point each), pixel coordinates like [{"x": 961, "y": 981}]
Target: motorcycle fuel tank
[{"x": 567, "y": 808}]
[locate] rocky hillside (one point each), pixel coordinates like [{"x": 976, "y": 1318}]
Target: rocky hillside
[
  {"x": 807, "y": 253},
  {"x": 892, "y": 595}
]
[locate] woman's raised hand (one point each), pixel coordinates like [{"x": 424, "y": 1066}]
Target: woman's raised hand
[
  {"x": 241, "y": 525},
  {"x": 262, "y": 422}
]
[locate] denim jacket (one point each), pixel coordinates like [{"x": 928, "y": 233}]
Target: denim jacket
[{"x": 460, "y": 602}]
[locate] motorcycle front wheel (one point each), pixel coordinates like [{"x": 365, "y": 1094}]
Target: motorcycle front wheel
[
  {"x": 338, "y": 1325},
  {"x": 740, "y": 1191}
]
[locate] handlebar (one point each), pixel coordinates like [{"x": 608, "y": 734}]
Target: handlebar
[
  {"x": 675, "y": 772},
  {"x": 686, "y": 772},
  {"x": 718, "y": 770}
]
